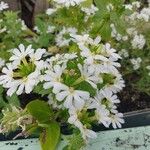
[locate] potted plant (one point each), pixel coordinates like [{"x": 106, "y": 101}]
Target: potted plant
[{"x": 67, "y": 67}]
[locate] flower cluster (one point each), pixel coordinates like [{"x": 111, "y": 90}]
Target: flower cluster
[
  {"x": 78, "y": 82},
  {"x": 86, "y": 81},
  {"x": 22, "y": 73}
]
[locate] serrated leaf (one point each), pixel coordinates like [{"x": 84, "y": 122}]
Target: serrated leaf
[{"x": 49, "y": 138}]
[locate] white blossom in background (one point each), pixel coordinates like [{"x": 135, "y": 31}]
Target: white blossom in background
[
  {"x": 24, "y": 27},
  {"x": 3, "y": 30},
  {"x": 136, "y": 4},
  {"x": 138, "y": 41},
  {"x": 61, "y": 40},
  {"x": 132, "y": 31},
  {"x": 90, "y": 11},
  {"x": 143, "y": 14},
  {"x": 50, "y": 29},
  {"x": 2, "y": 62},
  {"x": 116, "y": 35},
  {"x": 136, "y": 62},
  {"x": 128, "y": 6},
  {"x": 68, "y": 3},
  {"x": 110, "y": 7},
  {"x": 3, "y": 6},
  {"x": 37, "y": 29},
  {"x": 124, "y": 53},
  {"x": 50, "y": 11},
  {"x": 148, "y": 68}
]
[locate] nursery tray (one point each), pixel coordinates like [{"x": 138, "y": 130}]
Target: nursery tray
[{"x": 123, "y": 139}]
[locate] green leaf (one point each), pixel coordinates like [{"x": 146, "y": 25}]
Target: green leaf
[
  {"x": 13, "y": 100},
  {"x": 87, "y": 3},
  {"x": 85, "y": 86},
  {"x": 50, "y": 137},
  {"x": 40, "y": 110},
  {"x": 40, "y": 90}
]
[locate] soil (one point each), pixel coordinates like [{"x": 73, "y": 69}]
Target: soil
[{"x": 132, "y": 100}]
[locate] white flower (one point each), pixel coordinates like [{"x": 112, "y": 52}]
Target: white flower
[
  {"x": 7, "y": 71},
  {"x": 50, "y": 11},
  {"x": 37, "y": 29},
  {"x": 61, "y": 58},
  {"x": 124, "y": 53},
  {"x": 53, "y": 78},
  {"x": 90, "y": 11},
  {"x": 88, "y": 75},
  {"x": 136, "y": 4},
  {"x": 24, "y": 84},
  {"x": 117, "y": 120},
  {"x": 116, "y": 35},
  {"x": 91, "y": 57},
  {"x": 148, "y": 68},
  {"x": 83, "y": 40},
  {"x": 3, "y": 30},
  {"x": 3, "y": 6},
  {"x": 102, "y": 116},
  {"x": 128, "y": 6},
  {"x": 24, "y": 27},
  {"x": 110, "y": 97},
  {"x": 118, "y": 84},
  {"x": 50, "y": 29},
  {"x": 87, "y": 133},
  {"x": 73, "y": 119},
  {"x": 61, "y": 40},
  {"x": 20, "y": 53},
  {"x": 68, "y": 3},
  {"x": 138, "y": 41},
  {"x": 36, "y": 56},
  {"x": 72, "y": 97},
  {"x": 136, "y": 62},
  {"x": 110, "y": 7},
  {"x": 2, "y": 62},
  {"x": 110, "y": 52}
]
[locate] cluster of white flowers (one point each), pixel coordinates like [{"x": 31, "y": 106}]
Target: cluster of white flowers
[
  {"x": 23, "y": 72},
  {"x": 96, "y": 66},
  {"x": 136, "y": 62},
  {"x": 3, "y": 6},
  {"x": 98, "y": 69},
  {"x": 143, "y": 14},
  {"x": 117, "y": 35},
  {"x": 90, "y": 11},
  {"x": 138, "y": 41},
  {"x": 63, "y": 37},
  {"x": 68, "y": 3},
  {"x": 133, "y": 5}
]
